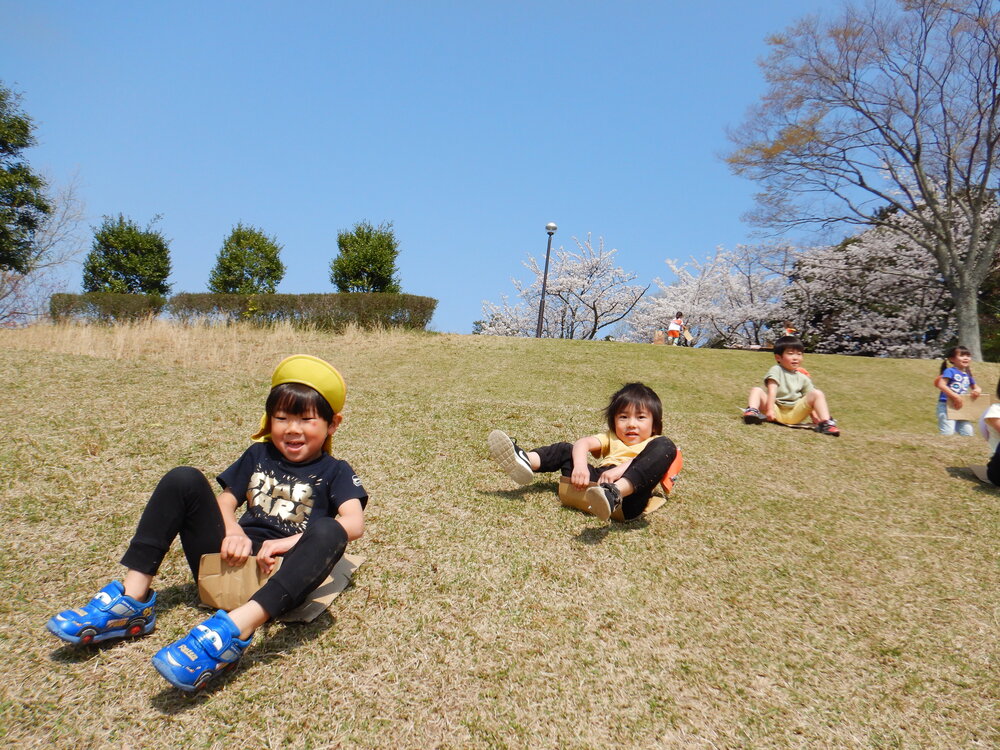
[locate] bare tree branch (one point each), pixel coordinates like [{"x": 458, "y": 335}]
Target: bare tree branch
[
  {"x": 880, "y": 107},
  {"x": 57, "y": 243}
]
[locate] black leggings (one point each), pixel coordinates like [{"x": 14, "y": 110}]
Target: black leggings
[
  {"x": 184, "y": 504},
  {"x": 645, "y": 471},
  {"x": 993, "y": 468}
]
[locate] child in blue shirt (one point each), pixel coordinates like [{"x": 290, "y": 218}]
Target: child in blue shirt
[{"x": 954, "y": 382}]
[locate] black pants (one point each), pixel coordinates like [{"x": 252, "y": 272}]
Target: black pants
[
  {"x": 993, "y": 468},
  {"x": 645, "y": 471},
  {"x": 184, "y": 504}
]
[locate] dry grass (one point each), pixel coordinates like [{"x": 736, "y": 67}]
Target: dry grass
[{"x": 798, "y": 591}]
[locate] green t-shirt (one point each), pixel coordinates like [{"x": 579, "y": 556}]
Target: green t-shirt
[{"x": 791, "y": 385}]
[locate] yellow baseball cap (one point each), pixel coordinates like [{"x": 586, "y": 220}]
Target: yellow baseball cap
[{"x": 314, "y": 372}]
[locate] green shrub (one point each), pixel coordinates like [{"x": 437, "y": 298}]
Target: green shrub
[
  {"x": 326, "y": 311},
  {"x": 989, "y": 335},
  {"x": 105, "y": 307}
]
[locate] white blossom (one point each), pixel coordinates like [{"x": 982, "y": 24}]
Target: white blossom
[
  {"x": 586, "y": 293},
  {"x": 731, "y": 299},
  {"x": 878, "y": 293}
]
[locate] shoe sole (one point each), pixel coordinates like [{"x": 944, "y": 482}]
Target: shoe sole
[
  {"x": 502, "y": 450},
  {"x": 752, "y": 419},
  {"x": 597, "y": 503},
  {"x": 166, "y": 672},
  {"x": 98, "y": 637}
]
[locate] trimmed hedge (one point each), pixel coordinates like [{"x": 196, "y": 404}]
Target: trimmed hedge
[
  {"x": 327, "y": 311},
  {"x": 105, "y": 307}
]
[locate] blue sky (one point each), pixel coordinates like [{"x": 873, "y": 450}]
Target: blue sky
[{"x": 468, "y": 125}]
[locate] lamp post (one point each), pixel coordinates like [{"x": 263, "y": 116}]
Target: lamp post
[{"x": 550, "y": 228}]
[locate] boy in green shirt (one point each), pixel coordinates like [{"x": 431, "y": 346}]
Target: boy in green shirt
[{"x": 790, "y": 397}]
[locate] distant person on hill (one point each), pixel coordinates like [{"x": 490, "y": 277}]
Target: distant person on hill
[
  {"x": 954, "y": 382},
  {"x": 788, "y": 328},
  {"x": 675, "y": 328},
  {"x": 633, "y": 456},
  {"x": 789, "y": 396},
  {"x": 990, "y": 424},
  {"x": 303, "y": 505}
]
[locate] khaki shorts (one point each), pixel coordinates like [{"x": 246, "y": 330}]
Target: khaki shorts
[{"x": 794, "y": 414}]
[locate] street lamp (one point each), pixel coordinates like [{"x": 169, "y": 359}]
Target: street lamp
[{"x": 550, "y": 228}]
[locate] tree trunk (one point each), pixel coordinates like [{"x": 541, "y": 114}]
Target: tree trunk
[{"x": 967, "y": 320}]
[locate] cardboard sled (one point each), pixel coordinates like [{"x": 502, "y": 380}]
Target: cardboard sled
[
  {"x": 571, "y": 497},
  {"x": 972, "y": 408},
  {"x": 980, "y": 471},
  {"x": 224, "y": 586}
]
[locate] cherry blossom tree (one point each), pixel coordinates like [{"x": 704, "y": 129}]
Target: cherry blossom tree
[
  {"x": 878, "y": 293},
  {"x": 586, "y": 293},
  {"x": 886, "y": 104},
  {"x": 732, "y": 299}
]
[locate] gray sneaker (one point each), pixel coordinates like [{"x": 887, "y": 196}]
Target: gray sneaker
[
  {"x": 512, "y": 459},
  {"x": 828, "y": 427}
]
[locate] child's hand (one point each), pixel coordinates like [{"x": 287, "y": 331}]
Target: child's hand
[
  {"x": 580, "y": 477},
  {"x": 273, "y": 548},
  {"x": 956, "y": 401},
  {"x": 770, "y": 414},
  {"x": 976, "y": 392},
  {"x": 236, "y": 547},
  {"x": 613, "y": 474}
]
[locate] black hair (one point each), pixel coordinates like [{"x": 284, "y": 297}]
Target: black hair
[
  {"x": 788, "y": 343},
  {"x": 945, "y": 364},
  {"x": 679, "y": 314},
  {"x": 638, "y": 396},
  {"x": 296, "y": 398}
]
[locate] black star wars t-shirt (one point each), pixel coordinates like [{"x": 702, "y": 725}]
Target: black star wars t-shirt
[{"x": 282, "y": 496}]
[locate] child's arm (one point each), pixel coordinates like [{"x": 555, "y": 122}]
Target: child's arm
[
  {"x": 941, "y": 382},
  {"x": 236, "y": 545},
  {"x": 349, "y": 515},
  {"x": 769, "y": 401},
  {"x": 614, "y": 473},
  {"x": 581, "y": 469}
]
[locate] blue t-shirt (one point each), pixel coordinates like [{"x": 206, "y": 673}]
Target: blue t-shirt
[
  {"x": 959, "y": 382},
  {"x": 282, "y": 496}
]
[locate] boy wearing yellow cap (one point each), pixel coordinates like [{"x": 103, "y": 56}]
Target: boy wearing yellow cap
[{"x": 303, "y": 505}]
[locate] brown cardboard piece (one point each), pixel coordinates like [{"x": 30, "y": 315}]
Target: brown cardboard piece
[
  {"x": 223, "y": 586},
  {"x": 972, "y": 408},
  {"x": 571, "y": 497}
]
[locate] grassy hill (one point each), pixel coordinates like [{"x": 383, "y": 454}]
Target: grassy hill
[{"x": 796, "y": 591}]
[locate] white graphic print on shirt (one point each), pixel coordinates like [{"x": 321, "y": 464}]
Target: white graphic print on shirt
[{"x": 290, "y": 502}]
